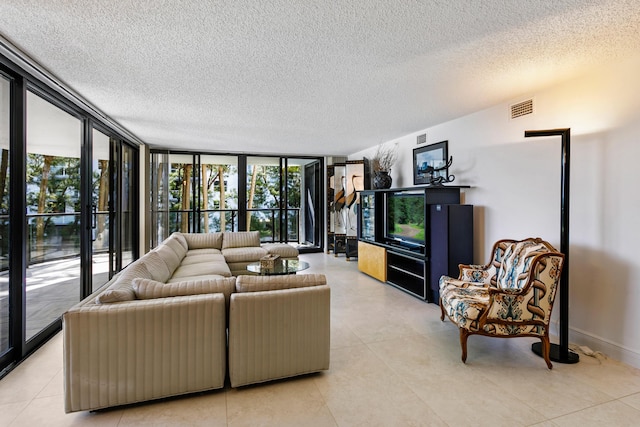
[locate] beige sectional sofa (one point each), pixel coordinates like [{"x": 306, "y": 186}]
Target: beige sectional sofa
[
  {"x": 159, "y": 328},
  {"x": 278, "y": 327}
]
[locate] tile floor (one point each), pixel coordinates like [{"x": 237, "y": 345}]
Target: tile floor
[{"x": 393, "y": 363}]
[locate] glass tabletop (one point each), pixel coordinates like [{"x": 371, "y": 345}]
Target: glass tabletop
[{"x": 280, "y": 266}]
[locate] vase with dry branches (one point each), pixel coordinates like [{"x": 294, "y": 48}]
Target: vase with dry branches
[{"x": 383, "y": 160}]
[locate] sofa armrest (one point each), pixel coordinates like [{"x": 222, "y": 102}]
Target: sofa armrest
[
  {"x": 133, "y": 351},
  {"x": 278, "y": 334}
]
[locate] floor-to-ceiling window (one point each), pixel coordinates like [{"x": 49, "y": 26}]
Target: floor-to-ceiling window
[
  {"x": 181, "y": 191},
  {"x": 265, "y": 197},
  {"x": 199, "y": 192},
  {"x": 193, "y": 193},
  {"x": 311, "y": 201},
  {"x": 284, "y": 199},
  {"x": 218, "y": 193},
  {"x": 5, "y": 223},
  {"x": 159, "y": 183},
  {"x": 68, "y": 217},
  {"x": 126, "y": 211},
  {"x": 101, "y": 248},
  {"x": 52, "y": 177},
  {"x": 281, "y": 197}
]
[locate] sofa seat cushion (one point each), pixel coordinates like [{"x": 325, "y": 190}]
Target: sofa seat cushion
[
  {"x": 244, "y": 254},
  {"x": 282, "y": 249},
  {"x": 150, "y": 289},
  {"x": 275, "y": 283},
  {"x": 241, "y": 239},
  {"x": 122, "y": 287},
  {"x": 192, "y": 278},
  {"x": 202, "y": 258},
  {"x": 203, "y": 240},
  {"x": 209, "y": 251},
  {"x": 202, "y": 268}
]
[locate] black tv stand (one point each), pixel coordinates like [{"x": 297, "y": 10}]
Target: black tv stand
[
  {"x": 404, "y": 246},
  {"x": 407, "y": 271},
  {"x": 415, "y": 268}
]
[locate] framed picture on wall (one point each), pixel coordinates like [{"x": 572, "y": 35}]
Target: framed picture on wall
[{"x": 426, "y": 160}]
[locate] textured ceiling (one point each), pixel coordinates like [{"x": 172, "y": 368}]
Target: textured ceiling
[{"x": 311, "y": 77}]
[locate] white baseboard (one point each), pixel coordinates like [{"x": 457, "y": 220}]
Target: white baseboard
[{"x": 595, "y": 343}]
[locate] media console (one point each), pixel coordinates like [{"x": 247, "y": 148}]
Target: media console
[{"x": 427, "y": 237}]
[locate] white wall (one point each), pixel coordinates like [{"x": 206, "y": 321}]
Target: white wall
[{"x": 516, "y": 190}]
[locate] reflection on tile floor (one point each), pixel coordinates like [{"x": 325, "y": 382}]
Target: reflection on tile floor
[{"x": 393, "y": 363}]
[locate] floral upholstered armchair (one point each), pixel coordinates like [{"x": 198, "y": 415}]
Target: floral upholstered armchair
[{"x": 511, "y": 296}]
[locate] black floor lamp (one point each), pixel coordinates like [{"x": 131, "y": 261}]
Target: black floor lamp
[{"x": 561, "y": 353}]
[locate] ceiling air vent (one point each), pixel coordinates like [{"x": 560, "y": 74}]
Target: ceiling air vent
[
  {"x": 520, "y": 109},
  {"x": 422, "y": 138}
]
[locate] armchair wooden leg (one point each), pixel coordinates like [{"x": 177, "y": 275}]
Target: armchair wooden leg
[
  {"x": 546, "y": 349},
  {"x": 463, "y": 343},
  {"x": 441, "y": 310}
]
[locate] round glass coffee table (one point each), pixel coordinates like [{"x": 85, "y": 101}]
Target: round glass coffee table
[{"x": 280, "y": 266}]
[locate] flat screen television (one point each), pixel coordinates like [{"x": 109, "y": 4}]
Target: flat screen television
[{"x": 404, "y": 225}]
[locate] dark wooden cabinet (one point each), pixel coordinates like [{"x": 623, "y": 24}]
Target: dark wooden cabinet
[{"x": 423, "y": 244}]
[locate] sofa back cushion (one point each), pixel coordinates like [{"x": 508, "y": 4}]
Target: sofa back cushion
[
  {"x": 156, "y": 266},
  {"x": 169, "y": 257},
  {"x": 203, "y": 240},
  {"x": 245, "y": 254},
  {"x": 179, "y": 237},
  {"x": 516, "y": 263},
  {"x": 276, "y": 283},
  {"x": 240, "y": 239},
  {"x": 122, "y": 288},
  {"x": 150, "y": 289},
  {"x": 178, "y": 243}
]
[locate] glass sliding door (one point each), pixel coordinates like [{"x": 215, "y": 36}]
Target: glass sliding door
[
  {"x": 311, "y": 202},
  {"x": 53, "y": 213},
  {"x": 127, "y": 211},
  {"x": 264, "y": 197},
  {"x": 193, "y": 193},
  {"x": 69, "y": 215},
  {"x": 281, "y": 197},
  {"x": 159, "y": 169},
  {"x": 102, "y": 254},
  {"x": 174, "y": 194},
  {"x": 284, "y": 199},
  {"x": 5, "y": 225},
  {"x": 181, "y": 193},
  {"x": 293, "y": 192},
  {"x": 304, "y": 202},
  {"x": 218, "y": 193}
]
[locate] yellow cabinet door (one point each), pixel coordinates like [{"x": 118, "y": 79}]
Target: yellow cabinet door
[{"x": 372, "y": 260}]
